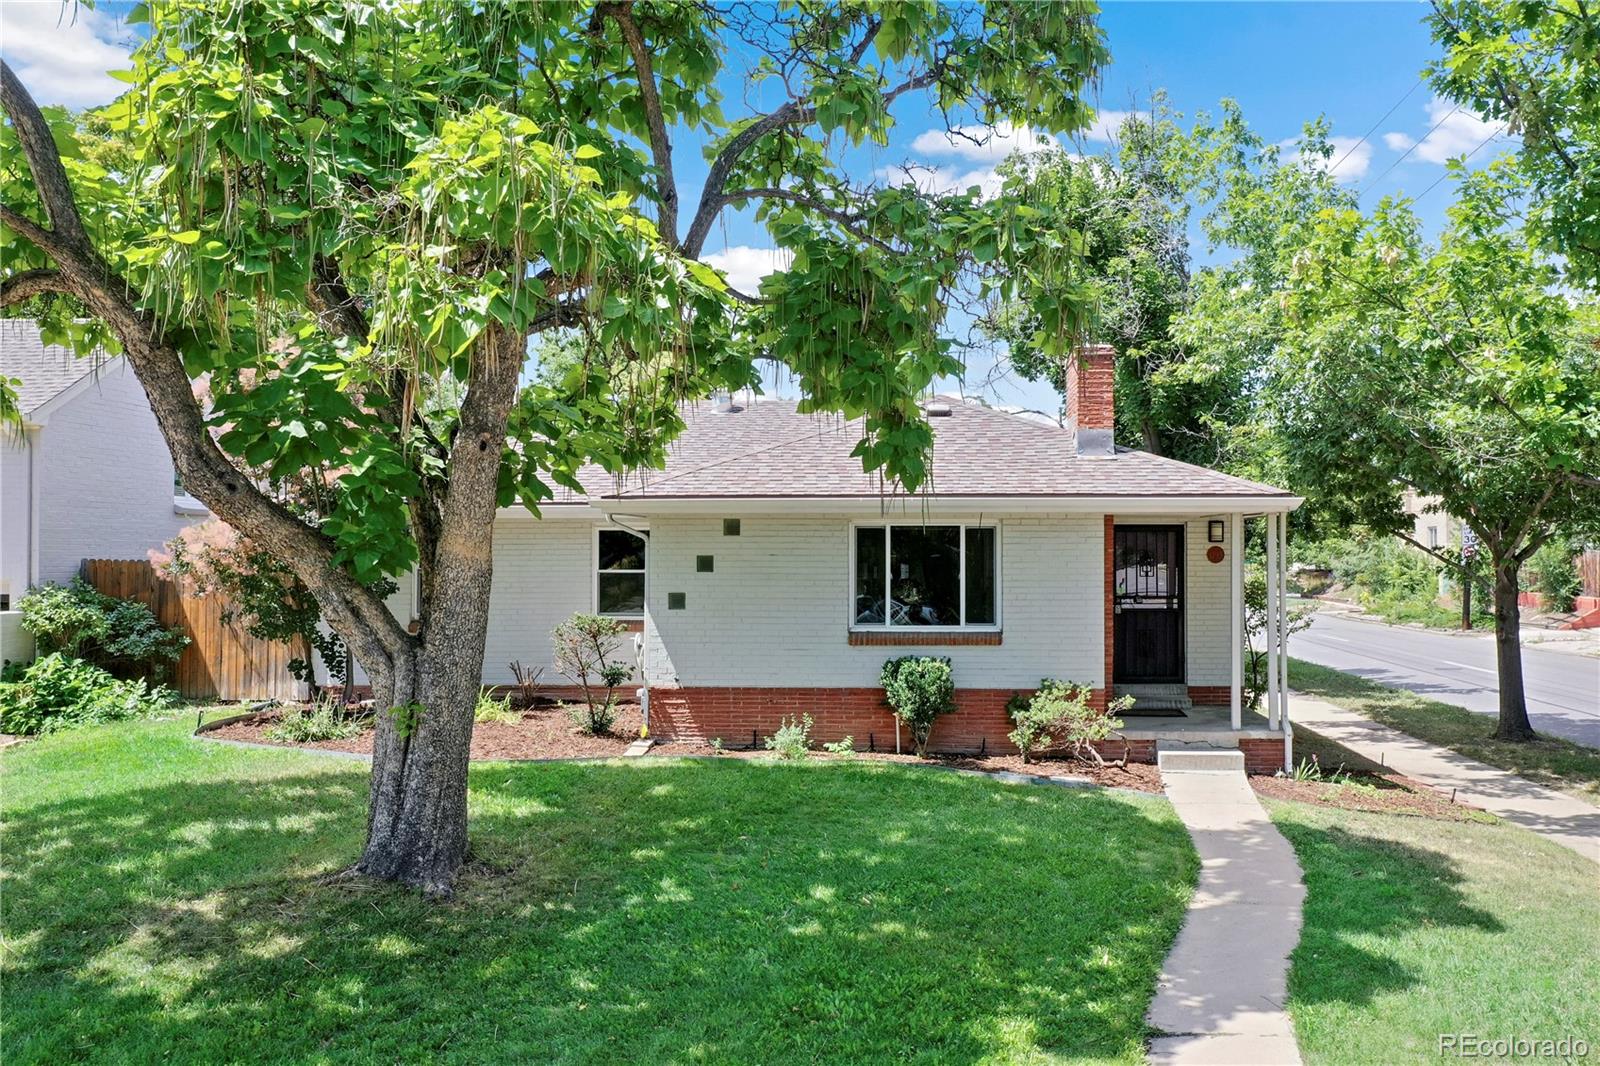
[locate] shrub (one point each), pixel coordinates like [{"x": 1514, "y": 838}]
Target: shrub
[
  {"x": 82, "y": 622},
  {"x": 919, "y": 689},
  {"x": 490, "y": 709},
  {"x": 792, "y": 740},
  {"x": 1060, "y": 713},
  {"x": 527, "y": 682},
  {"x": 1294, "y": 621},
  {"x": 845, "y": 745},
  {"x": 326, "y": 719},
  {"x": 586, "y": 651},
  {"x": 1555, "y": 575},
  {"x": 57, "y": 691}
]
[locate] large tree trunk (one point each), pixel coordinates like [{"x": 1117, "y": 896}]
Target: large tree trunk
[
  {"x": 417, "y": 821},
  {"x": 1513, "y": 724}
]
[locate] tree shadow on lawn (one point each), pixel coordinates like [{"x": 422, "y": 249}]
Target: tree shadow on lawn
[
  {"x": 614, "y": 911},
  {"x": 1361, "y": 887}
]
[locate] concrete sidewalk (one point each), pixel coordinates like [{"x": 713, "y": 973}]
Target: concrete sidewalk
[
  {"x": 1561, "y": 818},
  {"x": 1222, "y": 988}
]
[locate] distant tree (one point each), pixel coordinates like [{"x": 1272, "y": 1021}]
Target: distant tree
[
  {"x": 1456, "y": 368},
  {"x": 1533, "y": 66},
  {"x": 352, "y": 218}
]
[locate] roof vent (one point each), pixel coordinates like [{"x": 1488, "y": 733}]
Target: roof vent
[
  {"x": 936, "y": 409},
  {"x": 727, "y": 405}
]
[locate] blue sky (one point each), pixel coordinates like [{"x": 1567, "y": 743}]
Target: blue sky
[{"x": 1285, "y": 64}]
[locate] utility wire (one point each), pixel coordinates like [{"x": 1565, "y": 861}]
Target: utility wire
[
  {"x": 1372, "y": 184},
  {"x": 1375, "y": 125},
  {"x": 1464, "y": 158}
]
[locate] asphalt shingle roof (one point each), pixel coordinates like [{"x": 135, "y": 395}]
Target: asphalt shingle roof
[
  {"x": 46, "y": 370},
  {"x": 768, "y": 449}
]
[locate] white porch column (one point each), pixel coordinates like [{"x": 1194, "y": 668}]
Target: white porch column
[
  {"x": 1272, "y": 619},
  {"x": 1236, "y": 618},
  {"x": 1283, "y": 614}
]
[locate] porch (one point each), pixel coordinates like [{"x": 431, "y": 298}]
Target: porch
[{"x": 1182, "y": 699}]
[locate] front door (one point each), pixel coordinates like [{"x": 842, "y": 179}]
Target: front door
[{"x": 1147, "y": 605}]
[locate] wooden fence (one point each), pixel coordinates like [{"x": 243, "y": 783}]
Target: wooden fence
[
  {"x": 1589, "y": 571},
  {"x": 222, "y": 661}
]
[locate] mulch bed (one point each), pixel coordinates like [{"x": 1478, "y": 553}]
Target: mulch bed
[
  {"x": 1142, "y": 777},
  {"x": 1381, "y": 793},
  {"x": 542, "y": 733}
]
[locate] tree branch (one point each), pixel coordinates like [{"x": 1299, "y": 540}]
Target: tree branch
[
  {"x": 660, "y": 144},
  {"x": 354, "y": 610},
  {"x": 848, "y": 221},
  {"x": 31, "y": 283},
  {"x": 39, "y": 146}
]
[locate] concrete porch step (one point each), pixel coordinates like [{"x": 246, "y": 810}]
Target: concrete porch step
[{"x": 1197, "y": 758}]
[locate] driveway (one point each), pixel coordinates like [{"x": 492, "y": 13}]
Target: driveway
[{"x": 1562, "y": 689}]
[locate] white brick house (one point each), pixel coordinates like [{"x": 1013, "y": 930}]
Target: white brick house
[
  {"x": 766, "y": 575},
  {"x": 87, "y": 475}
]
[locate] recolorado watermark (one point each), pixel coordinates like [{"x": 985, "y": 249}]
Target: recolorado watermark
[{"x": 1473, "y": 1046}]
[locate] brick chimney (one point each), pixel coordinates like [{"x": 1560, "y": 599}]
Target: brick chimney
[{"x": 1091, "y": 407}]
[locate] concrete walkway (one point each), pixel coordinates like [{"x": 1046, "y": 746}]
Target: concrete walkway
[
  {"x": 1222, "y": 988},
  {"x": 1561, "y": 818}
]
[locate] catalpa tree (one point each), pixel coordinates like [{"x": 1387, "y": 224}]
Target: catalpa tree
[{"x": 351, "y": 219}]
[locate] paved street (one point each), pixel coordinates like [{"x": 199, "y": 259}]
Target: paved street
[{"x": 1563, "y": 689}]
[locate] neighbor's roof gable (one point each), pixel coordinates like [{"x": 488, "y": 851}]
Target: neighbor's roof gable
[
  {"x": 768, "y": 450},
  {"x": 46, "y": 370}
]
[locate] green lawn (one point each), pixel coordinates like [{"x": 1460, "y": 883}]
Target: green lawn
[
  {"x": 1561, "y": 764},
  {"x": 1415, "y": 927},
  {"x": 162, "y": 901}
]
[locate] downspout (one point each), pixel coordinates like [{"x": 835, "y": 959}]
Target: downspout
[
  {"x": 32, "y": 435},
  {"x": 642, "y": 693}
]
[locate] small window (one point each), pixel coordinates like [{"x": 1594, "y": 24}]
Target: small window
[
  {"x": 619, "y": 575},
  {"x": 911, "y": 576},
  {"x": 1433, "y": 536}
]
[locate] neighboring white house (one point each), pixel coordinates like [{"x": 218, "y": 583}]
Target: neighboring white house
[
  {"x": 87, "y": 476},
  {"x": 766, "y": 575}
]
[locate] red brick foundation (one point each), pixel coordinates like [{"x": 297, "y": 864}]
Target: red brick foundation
[
  {"x": 734, "y": 714},
  {"x": 1262, "y": 756},
  {"x": 1209, "y": 695}
]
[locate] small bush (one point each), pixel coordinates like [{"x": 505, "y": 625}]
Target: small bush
[
  {"x": 1060, "y": 713},
  {"x": 327, "y": 719},
  {"x": 919, "y": 689},
  {"x": 587, "y": 647},
  {"x": 84, "y": 623},
  {"x": 792, "y": 740},
  {"x": 1555, "y": 575},
  {"x": 57, "y": 691},
  {"x": 595, "y": 719},
  {"x": 490, "y": 709},
  {"x": 843, "y": 746}
]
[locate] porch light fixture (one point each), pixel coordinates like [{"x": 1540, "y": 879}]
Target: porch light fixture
[{"x": 1214, "y": 531}]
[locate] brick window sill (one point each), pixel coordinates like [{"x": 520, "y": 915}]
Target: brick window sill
[{"x": 862, "y": 638}]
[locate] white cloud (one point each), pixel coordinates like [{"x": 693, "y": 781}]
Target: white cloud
[
  {"x": 1351, "y": 158},
  {"x": 1107, "y": 123},
  {"x": 934, "y": 179},
  {"x": 980, "y": 144},
  {"x": 971, "y": 156},
  {"x": 1453, "y": 131},
  {"x": 745, "y": 266},
  {"x": 61, "y": 51}
]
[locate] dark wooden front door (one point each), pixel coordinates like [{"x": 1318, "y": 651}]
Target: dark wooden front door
[{"x": 1147, "y": 605}]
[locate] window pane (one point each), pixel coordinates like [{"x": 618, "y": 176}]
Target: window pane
[
  {"x": 980, "y": 576},
  {"x": 621, "y": 550},
  {"x": 621, "y": 593},
  {"x": 869, "y": 576},
  {"x": 925, "y": 575}
]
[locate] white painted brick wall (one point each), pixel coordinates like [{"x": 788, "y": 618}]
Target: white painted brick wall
[
  {"x": 543, "y": 572},
  {"x": 775, "y": 610},
  {"x": 13, "y": 515},
  {"x": 105, "y": 479}
]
